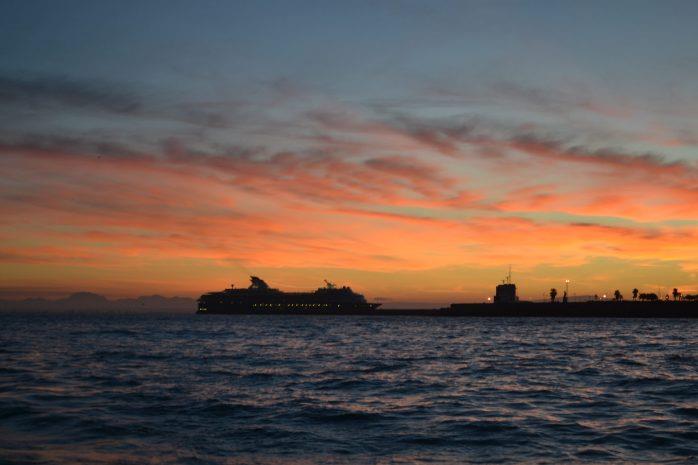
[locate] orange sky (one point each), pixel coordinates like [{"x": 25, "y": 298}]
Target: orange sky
[
  {"x": 411, "y": 156},
  {"x": 394, "y": 215}
]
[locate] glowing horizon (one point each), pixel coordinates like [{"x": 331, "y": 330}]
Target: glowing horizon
[{"x": 178, "y": 169}]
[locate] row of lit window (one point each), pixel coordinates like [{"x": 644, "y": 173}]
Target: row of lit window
[{"x": 291, "y": 305}]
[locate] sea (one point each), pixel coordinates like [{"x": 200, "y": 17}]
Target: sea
[{"x": 293, "y": 389}]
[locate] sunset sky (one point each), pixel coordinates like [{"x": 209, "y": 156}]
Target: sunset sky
[{"x": 411, "y": 150}]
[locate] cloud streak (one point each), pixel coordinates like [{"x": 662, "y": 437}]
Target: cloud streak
[
  {"x": 38, "y": 91},
  {"x": 350, "y": 189}
]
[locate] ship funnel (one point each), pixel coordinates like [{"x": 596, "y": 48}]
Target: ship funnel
[{"x": 258, "y": 283}]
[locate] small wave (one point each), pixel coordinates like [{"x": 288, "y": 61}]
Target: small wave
[
  {"x": 681, "y": 358},
  {"x": 16, "y": 410},
  {"x": 630, "y": 362},
  {"x": 47, "y": 420},
  {"x": 595, "y": 407},
  {"x": 426, "y": 440},
  {"x": 691, "y": 412},
  {"x": 482, "y": 426},
  {"x": 99, "y": 428},
  {"x": 118, "y": 332},
  {"x": 587, "y": 371},
  {"x": 113, "y": 353},
  {"x": 412, "y": 387},
  {"x": 637, "y": 437},
  {"x": 341, "y": 384},
  {"x": 225, "y": 409},
  {"x": 639, "y": 382},
  {"x": 11, "y": 370},
  {"x": 258, "y": 376},
  {"x": 384, "y": 367},
  {"x": 591, "y": 453},
  {"x": 330, "y": 415},
  {"x": 679, "y": 389},
  {"x": 131, "y": 355}
]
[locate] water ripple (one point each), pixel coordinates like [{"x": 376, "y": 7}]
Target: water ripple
[{"x": 290, "y": 389}]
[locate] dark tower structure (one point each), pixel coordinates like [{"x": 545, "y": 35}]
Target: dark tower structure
[{"x": 506, "y": 292}]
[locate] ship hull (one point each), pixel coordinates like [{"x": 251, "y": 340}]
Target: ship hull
[{"x": 290, "y": 308}]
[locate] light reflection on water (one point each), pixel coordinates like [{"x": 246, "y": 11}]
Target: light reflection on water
[{"x": 302, "y": 389}]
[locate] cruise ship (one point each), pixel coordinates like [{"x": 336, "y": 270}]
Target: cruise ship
[{"x": 260, "y": 298}]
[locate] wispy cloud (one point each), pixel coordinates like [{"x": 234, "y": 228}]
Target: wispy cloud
[
  {"x": 351, "y": 188},
  {"x": 39, "y": 91}
]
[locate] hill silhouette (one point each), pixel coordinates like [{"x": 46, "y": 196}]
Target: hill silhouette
[{"x": 92, "y": 302}]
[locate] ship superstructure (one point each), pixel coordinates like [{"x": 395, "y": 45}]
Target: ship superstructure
[
  {"x": 506, "y": 292},
  {"x": 260, "y": 298}
]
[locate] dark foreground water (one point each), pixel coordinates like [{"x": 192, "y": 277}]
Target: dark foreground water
[{"x": 298, "y": 389}]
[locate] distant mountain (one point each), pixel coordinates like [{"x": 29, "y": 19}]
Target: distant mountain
[{"x": 89, "y": 301}]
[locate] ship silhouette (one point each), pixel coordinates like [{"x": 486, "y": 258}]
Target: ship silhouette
[{"x": 260, "y": 298}]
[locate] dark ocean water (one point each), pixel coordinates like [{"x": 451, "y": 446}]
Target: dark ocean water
[{"x": 301, "y": 389}]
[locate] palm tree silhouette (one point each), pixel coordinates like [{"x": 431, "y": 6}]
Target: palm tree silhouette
[
  {"x": 635, "y": 291},
  {"x": 553, "y": 294},
  {"x": 618, "y": 296},
  {"x": 675, "y": 293}
]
